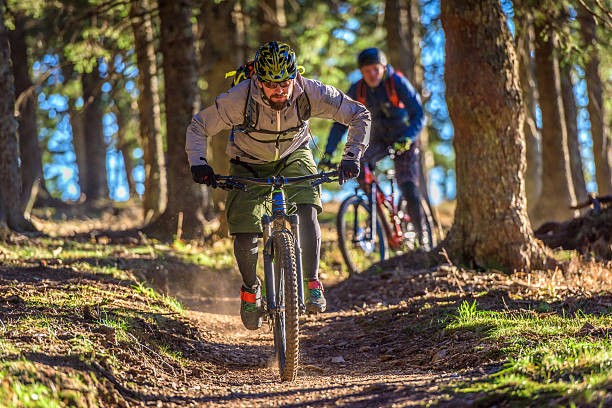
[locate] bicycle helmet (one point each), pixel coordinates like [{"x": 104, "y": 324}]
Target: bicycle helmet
[
  {"x": 275, "y": 62},
  {"x": 371, "y": 56}
]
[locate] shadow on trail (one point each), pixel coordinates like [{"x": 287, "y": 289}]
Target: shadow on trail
[
  {"x": 398, "y": 321},
  {"x": 366, "y": 393}
]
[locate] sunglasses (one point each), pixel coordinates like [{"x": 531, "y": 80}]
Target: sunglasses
[{"x": 274, "y": 85}]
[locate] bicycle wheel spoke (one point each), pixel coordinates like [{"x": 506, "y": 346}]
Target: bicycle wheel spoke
[{"x": 360, "y": 246}]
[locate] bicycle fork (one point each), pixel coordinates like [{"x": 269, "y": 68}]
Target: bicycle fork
[
  {"x": 392, "y": 232},
  {"x": 268, "y": 261}
]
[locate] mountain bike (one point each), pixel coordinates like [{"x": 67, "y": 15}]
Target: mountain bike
[
  {"x": 282, "y": 260},
  {"x": 366, "y": 236}
]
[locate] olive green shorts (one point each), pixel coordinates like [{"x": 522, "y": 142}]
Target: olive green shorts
[{"x": 245, "y": 209}]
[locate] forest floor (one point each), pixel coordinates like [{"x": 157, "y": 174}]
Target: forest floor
[{"x": 89, "y": 319}]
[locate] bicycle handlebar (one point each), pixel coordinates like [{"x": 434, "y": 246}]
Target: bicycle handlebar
[{"x": 238, "y": 182}]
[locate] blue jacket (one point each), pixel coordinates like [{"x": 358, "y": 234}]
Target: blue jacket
[{"x": 390, "y": 124}]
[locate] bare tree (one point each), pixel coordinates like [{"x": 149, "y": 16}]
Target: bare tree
[{"x": 491, "y": 228}]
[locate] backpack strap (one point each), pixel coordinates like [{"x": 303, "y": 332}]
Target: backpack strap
[
  {"x": 389, "y": 89},
  {"x": 392, "y": 92},
  {"x": 251, "y": 114},
  {"x": 361, "y": 92},
  {"x": 249, "y": 110},
  {"x": 303, "y": 107}
]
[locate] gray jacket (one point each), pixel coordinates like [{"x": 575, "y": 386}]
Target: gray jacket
[{"x": 286, "y": 132}]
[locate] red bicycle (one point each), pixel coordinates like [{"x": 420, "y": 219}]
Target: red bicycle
[{"x": 366, "y": 236}]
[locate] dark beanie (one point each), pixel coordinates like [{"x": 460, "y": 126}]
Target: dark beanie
[{"x": 371, "y": 56}]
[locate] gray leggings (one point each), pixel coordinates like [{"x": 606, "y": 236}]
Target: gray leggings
[{"x": 246, "y": 251}]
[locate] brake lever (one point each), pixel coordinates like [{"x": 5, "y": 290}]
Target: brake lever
[{"x": 322, "y": 180}]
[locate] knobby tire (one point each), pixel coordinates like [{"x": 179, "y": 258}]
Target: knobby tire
[
  {"x": 359, "y": 255},
  {"x": 286, "y": 321},
  {"x": 427, "y": 226}
]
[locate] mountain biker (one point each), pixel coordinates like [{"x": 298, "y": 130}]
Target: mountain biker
[
  {"x": 268, "y": 115},
  {"x": 397, "y": 119}
]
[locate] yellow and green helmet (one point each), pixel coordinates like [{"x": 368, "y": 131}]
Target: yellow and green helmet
[{"x": 275, "y": 62}]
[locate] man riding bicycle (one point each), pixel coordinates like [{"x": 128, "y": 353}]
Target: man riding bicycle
[
  {"x": 397, "y": 119},
  {"x": 269, "y": 116}
]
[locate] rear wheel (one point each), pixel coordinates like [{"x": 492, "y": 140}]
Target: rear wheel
[
  {"x": 360, "y": 247},
  {"x": 409, "y": 230},
  {"x": 286, "y": 323}
]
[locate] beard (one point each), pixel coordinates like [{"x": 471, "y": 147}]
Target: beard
[{"x": 278, "y": 105}]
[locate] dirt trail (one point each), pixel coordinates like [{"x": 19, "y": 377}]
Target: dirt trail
[
  {"x": 339, "y": 367},
  {"x": 378, "y": 345}
]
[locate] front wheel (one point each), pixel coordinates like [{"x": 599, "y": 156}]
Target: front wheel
[
  {"x": 412, "y": 239},
  {"x": 286, "y": 323},
  {"x": 360, "y": 246}
]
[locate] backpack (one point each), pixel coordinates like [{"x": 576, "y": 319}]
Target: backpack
[
  {"x": 251, "y": 110},
  {"x": 389, "y": 88},
  {"x": 241, "y": 73}
]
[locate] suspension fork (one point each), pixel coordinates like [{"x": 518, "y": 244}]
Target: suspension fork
[
  {"x": 373, "y": 211},
  {"x": 295, "y": 230},
  {"x": 268, "y": 263}
]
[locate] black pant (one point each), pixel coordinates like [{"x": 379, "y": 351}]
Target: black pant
[
  {"x": 246, "y": 250},
  {"x": 411, "y": 193}
]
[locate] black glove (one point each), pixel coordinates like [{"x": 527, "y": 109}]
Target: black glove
[
  {"x": 204, "y": 174},
  {"x": 325, "y": 162},
  {"x": 348, "y": 169}
]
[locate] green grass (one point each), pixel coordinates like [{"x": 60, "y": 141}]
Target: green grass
[
  {"x": 90, "y": 308},
  {"x": 118, "y": 326},
  {"x": 152, "y": 294},
  {"x": 21, "y": 385},
  {"x": 547, "y": 357},
  {"x": 217, "y": 256}
]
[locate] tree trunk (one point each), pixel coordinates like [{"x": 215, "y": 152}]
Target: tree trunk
[
  {"x": 180, "y": 84},
  {"x": 31, "y": 158},
  {"x": 573, "y": 145},
  {"x": 220, "y": 41},
  {"x": 156, "y": 194},
  {"x": 402, "y": 20},
  {"x": 525, "y": 43},
  {"x": 95, "y": 148},
  {"x": 557, "y": 187},
  {"x": 11, "y": 214},
  {"x": 125, "y": 146},
  {"x": 491, "y": 228},
  {"x": 271, "y": 18},
  {"x": 78, "y": 141},
  {"x": 602, "y": 145},
  {"x": 400, "y": 45}
]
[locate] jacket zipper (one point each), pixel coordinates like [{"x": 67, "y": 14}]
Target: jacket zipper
[{"x": 278, "y": 128}]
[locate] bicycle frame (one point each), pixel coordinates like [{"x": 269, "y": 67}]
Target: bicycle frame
[
  {"x": 277, "y": 221},
  {"x": 391, "y": 224}
]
